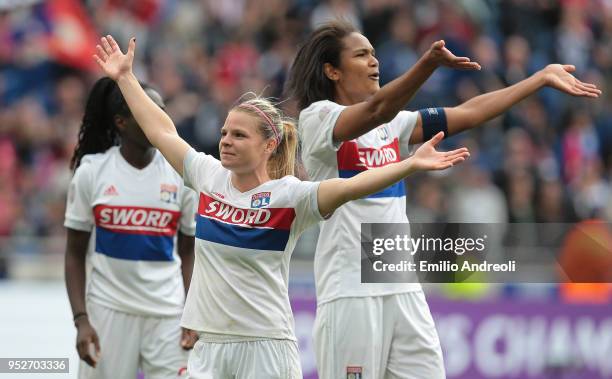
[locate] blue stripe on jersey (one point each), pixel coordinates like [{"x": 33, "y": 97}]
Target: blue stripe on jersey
[
  {"x": 239, "y": 236},
  {"x": 395, "y": 190},
  {"x": 134, "y": 247}
]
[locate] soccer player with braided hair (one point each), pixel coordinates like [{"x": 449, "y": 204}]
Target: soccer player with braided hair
[{"x": 129, "y": 215}]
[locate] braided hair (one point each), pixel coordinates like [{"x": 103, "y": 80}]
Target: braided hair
[{"x": 98, "y": 131}]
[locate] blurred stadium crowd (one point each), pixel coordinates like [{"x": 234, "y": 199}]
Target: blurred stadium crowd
[{"x": 547, "y": 160}]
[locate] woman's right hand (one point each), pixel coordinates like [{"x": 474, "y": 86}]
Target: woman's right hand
[
  {"x": 111, "y": 60},
  {"x": 87, "y": 343},
  {"x": 439, "y": 55}
]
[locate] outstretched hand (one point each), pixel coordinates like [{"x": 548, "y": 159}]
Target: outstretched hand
[
  {"x": 441, "y": 56},
  {"x": 426, "y": 157},
  {"x": 559, "y": 77},
  {"x": 110, "y": 58}
]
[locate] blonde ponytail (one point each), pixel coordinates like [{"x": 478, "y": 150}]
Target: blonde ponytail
[{"x": 282, "y": 162}]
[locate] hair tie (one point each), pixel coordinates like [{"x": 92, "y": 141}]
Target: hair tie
[{"x": 277, "y": 136}]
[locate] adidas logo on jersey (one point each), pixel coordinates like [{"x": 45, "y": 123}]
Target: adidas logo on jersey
[{"x": 111, "y": 191}]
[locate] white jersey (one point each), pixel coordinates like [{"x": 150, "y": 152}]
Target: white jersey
[
  {"x": 244, "y": 241},
  {"x": 338, "y": 257},
  {"x": 134, "y": 215}
]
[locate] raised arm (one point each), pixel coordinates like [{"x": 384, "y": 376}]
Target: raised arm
[
  {"x": 335, "y": 192},
  {"x": 381, "y": 108},
  {"x": 155, "y": 123},
  {"x": 482, "y": 108}
]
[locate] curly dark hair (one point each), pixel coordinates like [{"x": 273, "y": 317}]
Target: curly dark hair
[{"x": 98, "y": 131}]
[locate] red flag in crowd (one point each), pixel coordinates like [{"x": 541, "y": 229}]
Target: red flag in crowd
[{"x": 73, "y": 37}]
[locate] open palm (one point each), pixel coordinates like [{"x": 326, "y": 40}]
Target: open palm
[
  {"x": 559, "y": 77},
  {"x": 110, "y": 58},
  {"x": 426, "y": 157}
]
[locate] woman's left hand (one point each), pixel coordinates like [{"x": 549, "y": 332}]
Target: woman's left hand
[{"x": 559, "y": 77}]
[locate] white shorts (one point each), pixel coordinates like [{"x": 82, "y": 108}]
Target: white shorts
[
  {"x": 265, "y": 359},
  {"x": 376, "y": 337},
  {"x": 129, "y": 342}
]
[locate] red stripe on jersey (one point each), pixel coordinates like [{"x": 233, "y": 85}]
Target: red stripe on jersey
[
  {"x": 353, "y": 157},
  {"x": 137, "y": 220},
  {"x": 275, "y": 218}
]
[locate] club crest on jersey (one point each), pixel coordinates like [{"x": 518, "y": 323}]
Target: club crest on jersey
[
  {"x": 353, "y": 372},
  {"x": 383, "y": 134},
  {"x": 260, "y": 200},
  {"x": 168, "y": 193}
]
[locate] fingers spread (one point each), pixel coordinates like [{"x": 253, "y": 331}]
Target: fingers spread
[
  {"x": 106, "y": 46},
  {"x": 132, "y": 45},
  {"x": 461, "y": 151},
  {"x": 113, "y": 43},
  {"x": 587, "y": 89},
  {"x": 436, "y": 139},
  {"x": 589, "y": 85},
  {"x": 99, "y": 61},
  {"x": 101, "y": 53}
]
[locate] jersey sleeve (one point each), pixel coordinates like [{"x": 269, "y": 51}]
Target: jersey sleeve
[
  {"x": 188, "y": 209},
  {"x": 198, "y": 169},
  {"x": 307, "y": 206},
  {"x": 79, "y": 212},
  {"x": 404, "y": 123},
  {"x": 316, "y": 125}
]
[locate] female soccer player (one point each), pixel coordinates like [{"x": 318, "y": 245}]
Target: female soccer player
[
  {"x": 250, "y": 215},
  {"x": 349, "y": 124},
  {"x": 136, "y": 204}
]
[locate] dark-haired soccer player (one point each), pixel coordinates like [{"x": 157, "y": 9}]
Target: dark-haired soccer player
[
  {"x": 348, "y": 124},
  {"x": 129, "y": 213}
]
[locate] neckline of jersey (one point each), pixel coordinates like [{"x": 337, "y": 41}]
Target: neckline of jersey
[
  {"x": 245, "y": 193},
  {"x": 128, "y": 166}
]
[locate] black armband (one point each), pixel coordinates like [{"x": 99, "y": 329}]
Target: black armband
[{"x": 434, "y": 122}]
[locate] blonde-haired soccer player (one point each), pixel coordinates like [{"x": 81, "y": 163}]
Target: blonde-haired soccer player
[{"x": 250, "y": 214}]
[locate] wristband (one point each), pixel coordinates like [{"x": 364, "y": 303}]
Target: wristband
[
  {"x": 434, "y": 122},
  {"x": 78, "y": 315}
]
